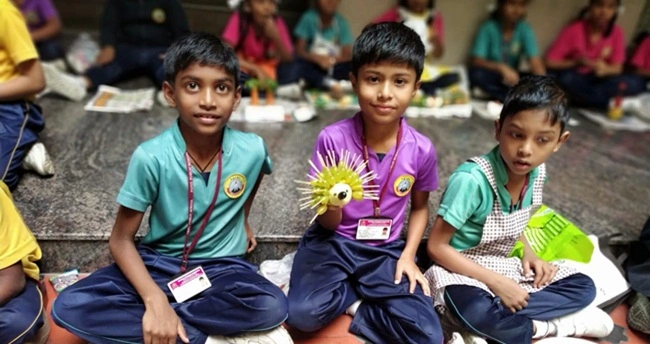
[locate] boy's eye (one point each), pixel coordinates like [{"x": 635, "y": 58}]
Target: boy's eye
[
  {"x": 373, "y": 79},
  {"x": 192, "y": 86},
  {"x": 400, "y": 82},
  {"x": 222, "y": 88},
  {"x": 516, "y": 135},
  {"x": 543, "y": 140}
]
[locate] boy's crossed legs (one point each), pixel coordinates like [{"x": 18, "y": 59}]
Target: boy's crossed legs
[
  {"x": 331, "y": 272},
  {"x": 105, "y": 308}
]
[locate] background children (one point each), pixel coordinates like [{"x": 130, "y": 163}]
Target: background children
[
  {"x": 502, "y": 43},
  {"x": 483, "y": 212},
  {"x": 324, "y": 45},
  {"x": 588, "y": 56},
  {"x": 134, "y": 37},
  {"x": 262, "y": 41},
  {"x": 201, "y": 157},
  {"x": 421, "y": 16},
  {"x": 21, "y": 78},
  {"x": 21, "y": 302},
  {"x": 333, "y": 270},
  {"x": 44, "y": 25},
  {"x": 640, "y": 64}
]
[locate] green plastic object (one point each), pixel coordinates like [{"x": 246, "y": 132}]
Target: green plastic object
[{"x": 553, "y": 237}]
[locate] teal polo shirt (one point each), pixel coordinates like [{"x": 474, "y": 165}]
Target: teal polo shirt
[
  {"x": 309, "y": 25},
  {"x": 468, "y": 199},
  {"x": 157, "y": 178},
  {"x": 489, "y": 43}
]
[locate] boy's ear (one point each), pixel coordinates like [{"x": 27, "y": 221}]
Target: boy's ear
[
  {"x": 561, "y": 140},
  {"x": 353, "y": 80},
  {"x": 416, "y": 88},
  {"x": 168, "y": 91},
  {"x": 237, "y": 98},
  {"x": 497, "y": 130}
]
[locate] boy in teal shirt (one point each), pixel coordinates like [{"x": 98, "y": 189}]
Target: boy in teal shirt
[
  {"x": 199, "y": 179},
  {"x": 484, "y": 210}
]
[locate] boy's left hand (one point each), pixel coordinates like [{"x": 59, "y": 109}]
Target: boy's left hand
[
  {"x": 544, "y": 272},
  {"x": 250, "y": 238},
  {"x": 408, "y": 267}
]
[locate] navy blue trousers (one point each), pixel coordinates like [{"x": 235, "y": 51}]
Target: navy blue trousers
[
  {"x": 484, "y": 315},
  {"x": 22, "y": 316},
  {"x": 105, "y": 308},
  {"x": 20, "y": 123},
  {"x": 314, "y": 75},
  {"x": 330, "y": 272},
  {"x": 130, "y": 61},
  {"x": 49, "y": 50},
  {"x": 588, "y": 90},
  {"x": 488, "y": 81}
]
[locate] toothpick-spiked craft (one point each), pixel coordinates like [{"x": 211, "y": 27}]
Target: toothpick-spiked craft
[{"x": 336, "y": 183}]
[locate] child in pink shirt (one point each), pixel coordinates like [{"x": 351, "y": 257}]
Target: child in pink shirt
[
  {"x": 261, "y": 40},
  {"x": 588, "y": 56}
]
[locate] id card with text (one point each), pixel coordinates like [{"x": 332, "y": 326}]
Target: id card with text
[
  {"x": 189, "y": 284},
  {"x": 374, "y": 228}
]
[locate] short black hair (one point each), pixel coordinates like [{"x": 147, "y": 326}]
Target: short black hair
[
  {"x": 537, "y": 93},
  {"x": 388, "y": 42},
  {"x": 430, "y": 5},
  {"x": 202, "y": 48}
]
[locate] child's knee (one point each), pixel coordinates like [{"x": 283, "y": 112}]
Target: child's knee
[
  {"x": 18, "y": 324},
  {"x": 586, "y": 287},
  {"x": 275, "y": 309},
  {"x": 67, "y": 307},
  {"x": 303, "y": 317}
]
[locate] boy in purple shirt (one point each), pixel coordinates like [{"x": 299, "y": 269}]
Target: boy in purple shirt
[
  {"x": 334, "y": 270},
  {"x": 44, "y": 25}
]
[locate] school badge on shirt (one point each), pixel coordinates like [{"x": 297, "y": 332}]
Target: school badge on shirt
[
  {"x": 403, "y": 185},
  {"x": 235, "y": 185},
  {"x": 158, "y": 15}
]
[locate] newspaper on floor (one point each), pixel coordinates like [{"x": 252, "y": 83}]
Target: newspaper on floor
[
  {"x": 629, "y": 122},
  {"x": 113, "y": 99}
]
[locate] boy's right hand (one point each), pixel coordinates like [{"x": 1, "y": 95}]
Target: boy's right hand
[
  {"x": 161, "y": 325},
  {"x": 512, "y": 295},
  {"x": 510, "y": 76},
  {"x": 106, "y": 55}
]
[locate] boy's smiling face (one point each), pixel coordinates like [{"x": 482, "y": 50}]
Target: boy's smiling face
[
  {"x": 205, "y": 97},
  {"x": 527, "y": 139},
  {"x": 385, "y": 90}
]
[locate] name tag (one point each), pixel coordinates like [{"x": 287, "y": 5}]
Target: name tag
[
  {"x": 189, "y": 284},
  {"x": 372, "y": 228}
]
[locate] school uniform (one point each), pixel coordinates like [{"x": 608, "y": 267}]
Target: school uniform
[
  {"x": 491, "y": 46},
  {"x": 583, "y": 86},
  {"x": 140, "y": 32},
  {"x": 333, "y": 269},
  {"x": 640, "y": 60},
  {"x": 477, "y": 204},
  {"x": 105, "y": 308},
  {"x": 22, "y": 315},
  {"x": 260, "y": 50},
  {"x": 327, "y": 41},
  {"x": 20, "y": 120},
  {"x": 37, "y": 13}
]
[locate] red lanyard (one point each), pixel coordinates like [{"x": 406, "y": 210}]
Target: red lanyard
[
  {"x": 190, "y": 209},
  {"x": 377, "y": 202},
  {"x": 521, "y": 194}
]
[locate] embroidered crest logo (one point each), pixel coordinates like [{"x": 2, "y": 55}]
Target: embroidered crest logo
[
  {"x": 158, "y": 15},
  {"x": 403, "y": 185},
  {"x": 235, "y": 185}
]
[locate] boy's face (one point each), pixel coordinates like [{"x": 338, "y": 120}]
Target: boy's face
[
  {"x": 527, "y": 139},
  {"x": 514, "y": 10},
  {"x": 385, "y": 90},
  {"x": 205, "y": 97},
  {"x": 328, "y": 7}
]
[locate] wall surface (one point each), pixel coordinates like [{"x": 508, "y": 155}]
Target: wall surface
[{"x": 462, "y": 17}]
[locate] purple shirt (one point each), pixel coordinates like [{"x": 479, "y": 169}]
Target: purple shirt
[
  {"x": 416, "y": 168},
  {"x": 37, "y": 12}
]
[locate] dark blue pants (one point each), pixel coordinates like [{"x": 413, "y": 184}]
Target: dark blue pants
[
  {"x": 105, "y": 308},
  {"x": 331, "y": 272},
  {"x": 314, "y": 75},
  {"x": 130, "y": 61},
  {"x": 484, "y": 315},
  {"x": 489, "y": 81},
  {"x": 20, "y": 123},
  {"x": 22, "y": 316},
  {"x": 49, "y": 50},
  {"x": 588, "y": 90}
]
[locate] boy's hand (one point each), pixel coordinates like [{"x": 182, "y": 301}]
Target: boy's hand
[
  {"x": 325, "y": 62},
  {"x": 510, "y": 76},
  {"x": 160, "y": 324},
  {"x": 600, "y": 68},
  {"x": 106, "y": 55},
  {"x": 512, "y": 295},
  {"x": 271, "y": 30},
  {"x": 250, "y": 237},
  {"x": 407, "y": 267},
  {"x": 544, "y": 272}
]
